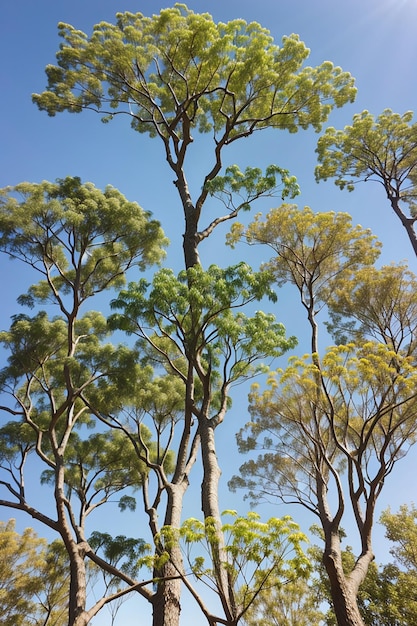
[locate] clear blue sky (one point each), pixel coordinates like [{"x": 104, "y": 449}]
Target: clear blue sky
[{"x": 375, "y": 40}]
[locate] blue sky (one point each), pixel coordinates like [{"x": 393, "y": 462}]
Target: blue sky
[{"x": 375, "y": 40}]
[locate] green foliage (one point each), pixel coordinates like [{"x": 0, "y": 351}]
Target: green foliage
[
  {"x": 56, "y": 228},
  {"x": 250, "y": 185},
  {"x": 62, "y": 372},
  {"x": 180, "y": 70},
  {"x": 257, "y": 554},
  {"x": 98, "y": 467},
  {"x": 358, "y": 404},
  {"x": 378, "y": 303},
  {"x": 383, "y": 149},
  {"x": 122, "y": 552},
  {"x": 310, "y": 249},
  {"x": 401, "y": 530},
  {"x": 195, "y": 313},
  {"x": 294, "y": 604},
  {"x": 178, "y": 73},
  {"x": 34, "y": 579}
]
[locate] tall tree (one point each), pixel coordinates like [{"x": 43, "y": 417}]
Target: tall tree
[
  {"x": 331, "y": 427},
  {"x": 195, "y": 327},
  {"x": 382, "y": 149},
  {"x": 179, "y": 73},
  {"x": 81, "y": 241}
]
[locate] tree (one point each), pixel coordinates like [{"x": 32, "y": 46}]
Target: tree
[
  {"x": 260, "y": 559},
  {"x": 63, "y": 378},
  {"x": 313, "y": 251},
  {"x": 194, "y": 327},
  {"x": 382, "y": 149},
  {"x": 81, "y": 241},
  {"x": 331, "y": 427},
  {"x": 179, "y": 73},
  {"x": 31, "y": 591}
]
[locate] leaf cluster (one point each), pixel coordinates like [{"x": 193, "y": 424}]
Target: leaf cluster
[
  {"x": 197, "y": 316},
  {"x": 79, "y": 238},
  {"x": 179, "y": 70},
  {"x": 382, "y": 149}
]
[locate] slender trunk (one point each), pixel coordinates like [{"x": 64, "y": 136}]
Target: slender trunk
[
  {"x": 407, "y": 222},
  {"x": 210, "y": 506},
  {"x": 191, "y": 216},
  {"x": 190, "y": 241},
  {"x": 343, "y": 592},
  {"x": 166, "y": 601},
  {"x": 76, "y": 552}
]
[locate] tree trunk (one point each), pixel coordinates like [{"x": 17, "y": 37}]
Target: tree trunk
[
  {"x": 343, "y": 593},
  {"x": 407, "y": 222},
  {"x": 77, "y": 615},
  {"x": 76, "y": 553},
  {"x": 190, "y": 241},
  {"x": 210, "y": 506},
  {"x": 166, "y": 601}
]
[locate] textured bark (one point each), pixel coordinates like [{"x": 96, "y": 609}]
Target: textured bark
[
  {"x": 77, "y": 615},
  {"x": 343, "y": 590},
  {"x": 166, "y": 601}
]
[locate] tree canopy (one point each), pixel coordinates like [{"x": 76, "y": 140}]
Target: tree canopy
[
  {"x": 178, "y": 73},
  {"x": 383, "y": 149}
]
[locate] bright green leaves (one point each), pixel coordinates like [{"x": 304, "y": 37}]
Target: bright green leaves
[
  {"x": 358, "y": 404},
  {"x": 313, "y": 251},
  {"x": 256, "y": 556},
  {"x": 250, "y": 185},
  {"x": 178, "y": 73},
  {"x": 98, "y": 467},
  {"x": 383, "y": 149},
  {"x": 309, "y": 246},
  {"x": 199, "y": 314},
  {"x": 42, "y": 359},
  {"x": 81, "y": 239},
  {"x": 256, "y": 553},
  {"x": 178, "y": 70}
]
